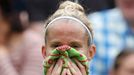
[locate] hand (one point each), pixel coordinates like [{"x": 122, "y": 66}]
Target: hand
[
  {"x": 77, "y": 69},
  {"x": 66, "y": 72},
  {"x": 55, "y": 69},
  {"x": 73, "y": 69}
]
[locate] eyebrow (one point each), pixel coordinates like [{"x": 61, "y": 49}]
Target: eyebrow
[
  {"x": 75, "y": 43},
  {"x": 55, "y": 42}
]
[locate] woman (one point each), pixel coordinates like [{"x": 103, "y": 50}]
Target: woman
[{"x": 68, "y": 28}]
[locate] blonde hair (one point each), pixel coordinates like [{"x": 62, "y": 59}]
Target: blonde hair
[{"x": 71, "y": 9}]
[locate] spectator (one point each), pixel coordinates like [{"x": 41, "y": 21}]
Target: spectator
[
  {"x": 4, "y": 30},
  {"x": 114, "y": 30},
  {"x": 123, "y": 63},
  {"x": 24, "y": 57}
]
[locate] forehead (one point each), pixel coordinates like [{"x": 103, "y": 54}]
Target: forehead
[{"x": 66, "y": 28}]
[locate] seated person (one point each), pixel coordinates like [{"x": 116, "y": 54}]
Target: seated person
[{"x": 124, "y": 63}]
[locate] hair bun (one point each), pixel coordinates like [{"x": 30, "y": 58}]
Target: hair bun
[{"x": 71, "y": 6}]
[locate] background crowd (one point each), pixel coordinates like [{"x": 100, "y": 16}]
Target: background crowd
[{"x": 21, "y": 35}]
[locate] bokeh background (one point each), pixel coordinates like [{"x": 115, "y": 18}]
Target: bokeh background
[{"x": 21, "y": 33}]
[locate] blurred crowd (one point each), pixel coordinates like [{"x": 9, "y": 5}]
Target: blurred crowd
[{"x": 21, "y": 35}]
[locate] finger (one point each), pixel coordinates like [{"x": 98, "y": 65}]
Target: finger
[
  {"x": 73, "y": 68},
  {"x": 50, "y": 70},
  {"x": 81, "y": 67},
  {"x": 68, "y": 72},
  {"x": 64, "y": 72},
  {"x": 58, "y": 67}
]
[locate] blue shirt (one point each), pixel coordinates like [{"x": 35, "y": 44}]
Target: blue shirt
[{"x": 112, "y": 34}]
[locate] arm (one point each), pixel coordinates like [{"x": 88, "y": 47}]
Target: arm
[{"x": 6, "y": 67}]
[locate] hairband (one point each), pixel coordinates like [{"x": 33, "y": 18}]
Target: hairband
[{"x": 72, "y": 18}]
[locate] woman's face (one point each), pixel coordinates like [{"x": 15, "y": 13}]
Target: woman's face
[
  {"x": 127, "y": 8},
  {"x": 70, "y": 33},
  {"x": 126, "y": 66}
]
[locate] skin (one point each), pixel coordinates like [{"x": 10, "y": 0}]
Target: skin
[
  {"x": 4, "y": 32},
  {"x": 126, "y": 66},
  {"x": 127, "y": 8},
  {"x": 71, "y": 33}
]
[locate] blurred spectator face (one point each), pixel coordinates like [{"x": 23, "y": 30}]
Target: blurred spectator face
[
  {"x": 126, "y": 66},
  {"x": 127, "y": 7},
  {"x": 4, "y": 31}
]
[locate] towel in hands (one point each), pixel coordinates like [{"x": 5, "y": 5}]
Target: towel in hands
[{"x": 64, "y": 52}]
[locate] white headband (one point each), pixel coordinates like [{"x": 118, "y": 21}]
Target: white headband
[{"x": 72, "y": 18}]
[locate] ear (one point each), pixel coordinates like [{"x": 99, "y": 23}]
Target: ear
[
  {"x": 44, "y": 51},
  {"x": 91, "y": 51}
]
